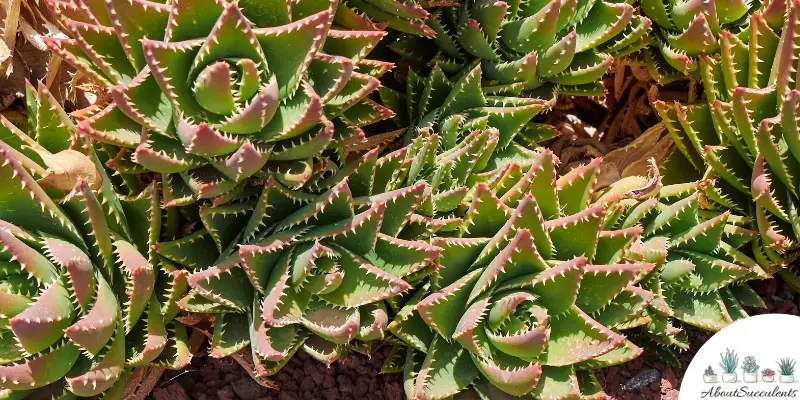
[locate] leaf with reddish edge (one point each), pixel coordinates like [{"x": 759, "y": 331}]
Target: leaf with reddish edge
[
  {"x": 148, "y": 338},
  {"x": 557, "y": 383},
  {"x": 296, "y": 115},
  {"x": 577, "y": 234},
  {"x": 601, "y": 284},
  {"x": 354, "y": 45},
  {"x": 575, "y": 337},
  {"x": 93, "y": 331},
  {"x": 231, "y": 334},
  {"x": 35, "y": 264},
  {"x": 357, "y": 234},
  {"x": 135, "y": 20},
  {"x": 509, "y": 374},
  {"x": 576, "y": 187},
  {"x": 363, "y": 283},
  {"x": 436, "y": 309},
  {"x": 336, "y": 324},
  {"x": 193, "y": 19},
  {"x": 324, "y": 351},
  {"x": 526, "y": 216},
  {"x": 704, "y": 237},
  {"x": 622, "y": 354},
  {"x": 626, "y": 306},
  {"x": 519, "y": 258},
  {"x": 311, "y": 143},
  {"x": 223, "y": 283},
  {"x": 447, "y": 370},
  {"x": 213, "y": 88},
  {"x": 272, "y": 343},
  {"x": 401, "y": 257},
  {"x": 40, "y": 371},
  {"x": 283, "y": 304},
  {"x": 338, "y": 201},
  {"x": 374, "y": 320},
  {"x": 400, "y": 204},
  {"x": 274, "y": 204},
  {"x": 140, "y": 280},
  {"x": 307, "y": 257},
  {"x": 101, "y": 45},
  {"x": 104, "y": 373},
  {"x": 557, "y": 287},
  {"x": 704, "y": 310},
  {"x": 196, "y": 250},
  {"x": 526, "y": 342},
  {"x": 259, "y": 259},
  {"x": 42, "y": 324},
  {"x": 328, "y": 74},
  {"x": 170, "y": 64},
  {"x": 40, "y": 213},
  {"x": 612, "y": 245},
  {"x": 225, "y": 222},
  {"x": 356, "y": 88},
  {"x": 176, "y": 354},
  {"x": 255, "y": 114},
  {"x": 290, "y": 48},
  {"x": 486, "y": 214},
  {"x": 456, "y": 257}
]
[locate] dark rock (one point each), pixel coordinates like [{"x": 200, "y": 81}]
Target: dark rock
[
  {"x": 287, "y": 396},
  {"x": 644, "y": 378},
  {"x": 247, "y": 389},
  {"x": 173, "y": 391},
  {"x": 226, "y": 393}
]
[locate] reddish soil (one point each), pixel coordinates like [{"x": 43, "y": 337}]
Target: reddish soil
[{"x": 355, "y": 377}]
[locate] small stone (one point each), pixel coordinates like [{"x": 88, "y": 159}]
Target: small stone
[
  {"x": 226, "y": 393},
  {"x": 287, "y": 396},
  {"x": 360, "y": 389},
  {"x": 173, "y": 391},
  {"x": 247, "y": 389},
  {"x": 307, "y": 384},
  {"x": 644, "y": 378}
]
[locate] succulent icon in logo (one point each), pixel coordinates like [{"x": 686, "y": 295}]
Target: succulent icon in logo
[
  {"x": 768, "y": 375},
  {"x": 786, "y": 367},
  {"x": 728, "y": 362},
  {"x": 709, "y": 376},
  {"x": 750, "y": 368}
]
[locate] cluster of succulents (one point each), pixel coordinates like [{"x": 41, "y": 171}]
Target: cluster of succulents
[
  {"x": 210, "y": 94},
  {"x": 226, "y": 174},
  {"x": 81, "y": 298},
  {"x": 564, "y": 45},
  {"x": 744, "y": 134}
]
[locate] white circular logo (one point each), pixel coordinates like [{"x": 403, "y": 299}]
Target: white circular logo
[{"x": 753, "y": 358}]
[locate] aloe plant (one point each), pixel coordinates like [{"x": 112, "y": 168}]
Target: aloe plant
[
  {"x": 211, "y": 94},
  {"x": 786, "y": 366},
  {"x": 729, "y": 361},
  {"x": 82, "y": 297},
  {"x": 700, "y": 275},
  {"x": 525, "y": 45},
  {"x": 687, "y": 32},
  {"x": 744, "y": 134}
]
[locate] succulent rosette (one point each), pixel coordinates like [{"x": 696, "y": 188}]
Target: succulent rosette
[
  {"x": 210, "y": 93},
  {"x": 700, "y": 253},
  {"x": 284, "y": 269},
  {"x": 744, "y": 134},
  {"x": 686, "y": 30},
  {"x": 567, "y": 45},
  {"x": 81, "y": 299}
]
